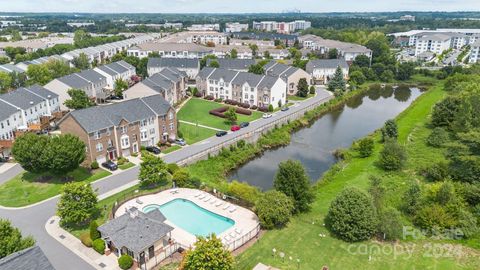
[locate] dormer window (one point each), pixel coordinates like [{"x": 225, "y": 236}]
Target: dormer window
[{"x": 96, "y": 135}]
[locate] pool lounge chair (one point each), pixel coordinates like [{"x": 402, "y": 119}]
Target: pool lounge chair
[
  {"x": 227, "y": 238},
  {"x": 233, "y": 235},
  {"x": 233, "y": 209},
  {"x": 207, "y": 199},
  {"x": 213, "y": 201},
  {"x": 219, "y": 203},
  {"x": 201, "y": 197},
  {"x": 138, "y": 201},
  {"x": 197, "y": 194},
  {"x": 226, "y": 206},
  {"x": 238, "y": 231}
]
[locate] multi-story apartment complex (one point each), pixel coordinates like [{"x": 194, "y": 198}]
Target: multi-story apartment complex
[
  {"x": 170, "y": 82},
  {"x": 291, "y": 75},
  {"x": 120, "y": 129},
  {"x": 258, "y": 90},
  {"x": 475, "y": 52},
  {"x": 170, "y": 50},
  {"x": 435, "y": 43},
  {"x": 204, "y": 27},
  {"x": 25, "y": 106},
  {"x": 323, "y": 70},
  {"x": 120, "y": 70},
  {"x": 282, "y": 27},
  {"x": 191, "y": 66},
  {"x": 91, "y": 82},
  {"x": 198, "y": 37},
  {"x": 236, "y": 27},
  {"x": 348, "y": 51}
]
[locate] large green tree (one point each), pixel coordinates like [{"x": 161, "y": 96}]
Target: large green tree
[
  {"x": 81, "y": 62},
  {"x": 393, "y": 156},
  {"x": 390, "y": 130},
  {"x": 292, "y": 180},
  {"x": 338, "y": 81},
  {"x": 5, "y": 82},
  {"x": 39, "y": 74},
  {"x": 28, "y": 150},
  {"x": 209, "y": 253},
  {"x": 120, "y": 86},
  {"x": 231, "y": 115},
  {"x": 11, "y": 239},
  {"x": 77, "y": 205},
  {"x": 78, "y": 100},
  {"x": 274, "y": 209},
  {"x": 352, "y": 216},
  {"x": 153, "y": 171},
  {"x": 302, "y": 88},
  {"x": 64, "y": 153}
]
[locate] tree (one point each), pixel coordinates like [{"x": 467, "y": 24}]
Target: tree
[
  {"x": 5, "y": 82},
  {"x": 274, "y": 209},
  {"x": 81, "y": 62},
  {"x": 4, "y": 60},
  {"x": 231, "y": 115},
  {"x": 58, "y": 68},
  {"x": 352, "y": 216},
  {"x": 266, "y": 55},
  {"x": 204, "y": 60},
  {"x": 365, "y": 147},
  {"x": 214, "y": 64},
  {"x": 39, "y": 74},
  {"x": 389, "y": 130},
  {"x": 393, "y": 156},
  {"x": 387, "y": 76},
  {"x": 361, "y": 61},
  {"x": 357, "y": 77},
  {"x": 380, "y": 48},
  {"x": 120, "y": 86},
  {"x": 411, "y": 199},
  {"x": 390, "y": 224},
  {"x": 79, "y": 38},
  {"x": 333, "y": 53},
  {"x": 153, "y": 171},
  {"x": 78, "y": 100},
  {"x": 15, "y": 35},
  {"x": 338, "y": 81},
  {"x": 312, "y": 90},
  {"x": 292, "y": 180},
  {"x": 438, "y": 137},
  {"x": 302, "y": 88},
  {"x": 11, "y": 239},
  {"x": 64, "y": 153},
  {"x": 405, "y": 71},
  {"x": 125, "y": 261},
  {"x": 209, "y": 253},
  {"x": 254, "y": 49},
  {"x": 234, "y": 53},
  {"x": 444, "y": 112},
  {"x": 181, "y": 177},
  {"x": 28, "y": 150},
  {"x": 77, "y": 205},
  {"x": 94, "y": 233},
  {"x": 256, "y": 69}
]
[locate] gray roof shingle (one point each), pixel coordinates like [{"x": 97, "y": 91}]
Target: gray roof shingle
[
  {"x": 236, "y": 64},
  {"x": 31, "y": 258},
  {"x": 6, "y": 110},
  {"x": 326, "y": 63},
  {"x": 21, "y": 98},
  {"x": 173, "y": 62}
]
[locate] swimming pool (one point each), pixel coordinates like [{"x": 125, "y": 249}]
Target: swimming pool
[{"x": 191, "y": 217}]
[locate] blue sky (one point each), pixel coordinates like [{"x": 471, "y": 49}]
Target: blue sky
[{"x": 225, "y": 6}]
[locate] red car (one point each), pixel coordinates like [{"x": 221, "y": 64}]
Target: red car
[{"x": 235, "y": 128}]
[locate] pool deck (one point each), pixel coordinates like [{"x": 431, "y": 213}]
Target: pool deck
[{"x": 246, "y": 222}]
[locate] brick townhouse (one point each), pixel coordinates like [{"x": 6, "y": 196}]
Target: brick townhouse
[{"x": 120, "y": 129}]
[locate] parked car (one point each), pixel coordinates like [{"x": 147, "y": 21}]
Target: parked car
[
  {"x": 153, "y": 149},
  {"x": 221, "y": 133},
  {"x": 235, "y": 128},
  {"x": 244, "y": 124},
  {"x": 180, "y": 141},
  {"x": 110, "y": 165},
  {"x": 266, "y": 115},
  {"x": 284, "y": 108},
  {"x": 3, "y": 159}
]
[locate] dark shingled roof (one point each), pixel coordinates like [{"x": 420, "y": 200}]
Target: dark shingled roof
[
  {"x": 101, "y": 117},
  {"x": 116, "y": 68},
  {"x": 236, "y": 64},
  {"x": 25, "y": 98},
  {"x": 83, "y": 79},
  {"x": 326, "y": 63},
  {"x": 164, "y": 80},
  {"x": 136, "y": 230},
  {"x": 6, "y": 110},
  {"x": 31, "y": 258},
  {"x": 173, "y": 62}
]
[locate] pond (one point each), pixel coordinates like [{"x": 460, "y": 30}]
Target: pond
[{"x": 314, "y": 146}]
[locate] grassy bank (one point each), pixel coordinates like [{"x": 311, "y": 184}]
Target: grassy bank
[
  {"x": 303, "y": 240},
  {"x": 28, "y": 188}
]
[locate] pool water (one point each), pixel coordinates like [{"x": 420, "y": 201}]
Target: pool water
[{"x": 192, "y": 218}]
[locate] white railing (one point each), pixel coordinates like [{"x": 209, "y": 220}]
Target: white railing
[{"x": 241, "y": 240}]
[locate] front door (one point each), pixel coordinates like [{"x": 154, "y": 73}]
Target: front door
[
  {"x": 135, "y": 148},
  {"x": 151, "y": 252}
]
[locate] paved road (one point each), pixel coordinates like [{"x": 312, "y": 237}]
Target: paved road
[
  {"x": 32, "y": 220},
  {"x": 10, "y": 173}
]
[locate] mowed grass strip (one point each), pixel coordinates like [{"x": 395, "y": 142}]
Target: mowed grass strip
[
  {"x": 29, "y": 188},
  {"x": 303, "y": 239},
  {"x": 192, "y": 134},
  {"x": 196, "y": 111}
]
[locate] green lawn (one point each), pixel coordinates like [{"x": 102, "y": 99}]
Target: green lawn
[
  {"x": 297, "y": 98},
  {"x": 26, "y": 188},
  {"x": 302, "y": 238},
  {"x": 192, "y": 134},
  {"x": 196, "y": 111},
  {"x": 127, "y": 165},
  {"x": 172, "y": 149}
]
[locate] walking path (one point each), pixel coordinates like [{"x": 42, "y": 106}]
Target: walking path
[{"x": 193, "y": 124}]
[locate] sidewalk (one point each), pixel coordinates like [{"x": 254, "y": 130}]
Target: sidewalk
[
  {"x": 193, "y": 124},
  {"x": 75, "y": 245},
  {"x": 4, "y": 167}
]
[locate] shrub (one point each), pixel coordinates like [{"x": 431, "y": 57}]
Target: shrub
[
  {"x": 438, "y": 137},
  {"x": 125, "y": 261},
  {"x": 437, "y": 171},
  {"x": 122, "y": 160},
  {"x": 219, "y": 100},
  {"x": 94, "y": 233},
  {"x": 270, "y": 108},
  {"x": 94, "y": 165},
  {"x": 390, "y": 130},
  {"x": 312, "y": 90},
  {"x": 243, "y": 191},
  {"x": 134, "y": 154},
  {"x": 352, "y": 216},
  {"x": 434, "y": 216},
  {"x": 293, "y": 181},
  {"x": 197, "y": 94},
  {"x": 99, "y": 246},
  {"x": 393, "y": 156},
  {"x": 365, "y": 147},
  {"x": 254, "y": 107},
  {"x": 241, "y": 144},
  {"x": 274, "y": 209},
  {"x": 181, "y": 177},
  {"x": 172, "y": 168},
  {"x": 390, "y": 224},
  {"x": 263, "y": 109},
  {"x": 86, "y": 240}
]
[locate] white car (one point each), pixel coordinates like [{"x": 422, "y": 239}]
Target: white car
[{"x": 266, "y": 115}]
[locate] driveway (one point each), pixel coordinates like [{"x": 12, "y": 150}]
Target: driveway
[{"x": 32, "y": 220}]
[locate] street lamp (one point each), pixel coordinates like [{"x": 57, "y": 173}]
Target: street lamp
[{"x": 274, "y": 251}]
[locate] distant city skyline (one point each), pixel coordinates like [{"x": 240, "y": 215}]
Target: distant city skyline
[{"x": 245, "y": 6}]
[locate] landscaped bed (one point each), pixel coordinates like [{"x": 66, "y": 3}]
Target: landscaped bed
[
  {"x": 28, "y": 188},
  {"x": 197, "y": 111}
]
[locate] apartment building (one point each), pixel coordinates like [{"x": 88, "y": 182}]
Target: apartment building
[
  {"x": 475, "y": 52},
  {"x": 120, "y": 129},
  {"x": 204, "y": 27},
  {"x": 286, "y": 39},
  {"x": 323, "y": 70},
  {"x": 120, "y": 70},
  {"x": 282, "y": 27},
  {"x": 435, "y": 43},
  {"x": 291, "y": 75},
  {"x": 42, "y": 60},
  {"x": 23, "y": 107},
  {"x": 258, "y": 90},
  {"x": 91, "y": 82},
  {"x": 348, "y": 51},
  {"x": 236, "y": 27},
  {"x": 169, "y": 82},
  {"x": 191, "y": 66},
  {"x": 170, "y": 50},
  {"x": 243, "y": 52}
]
